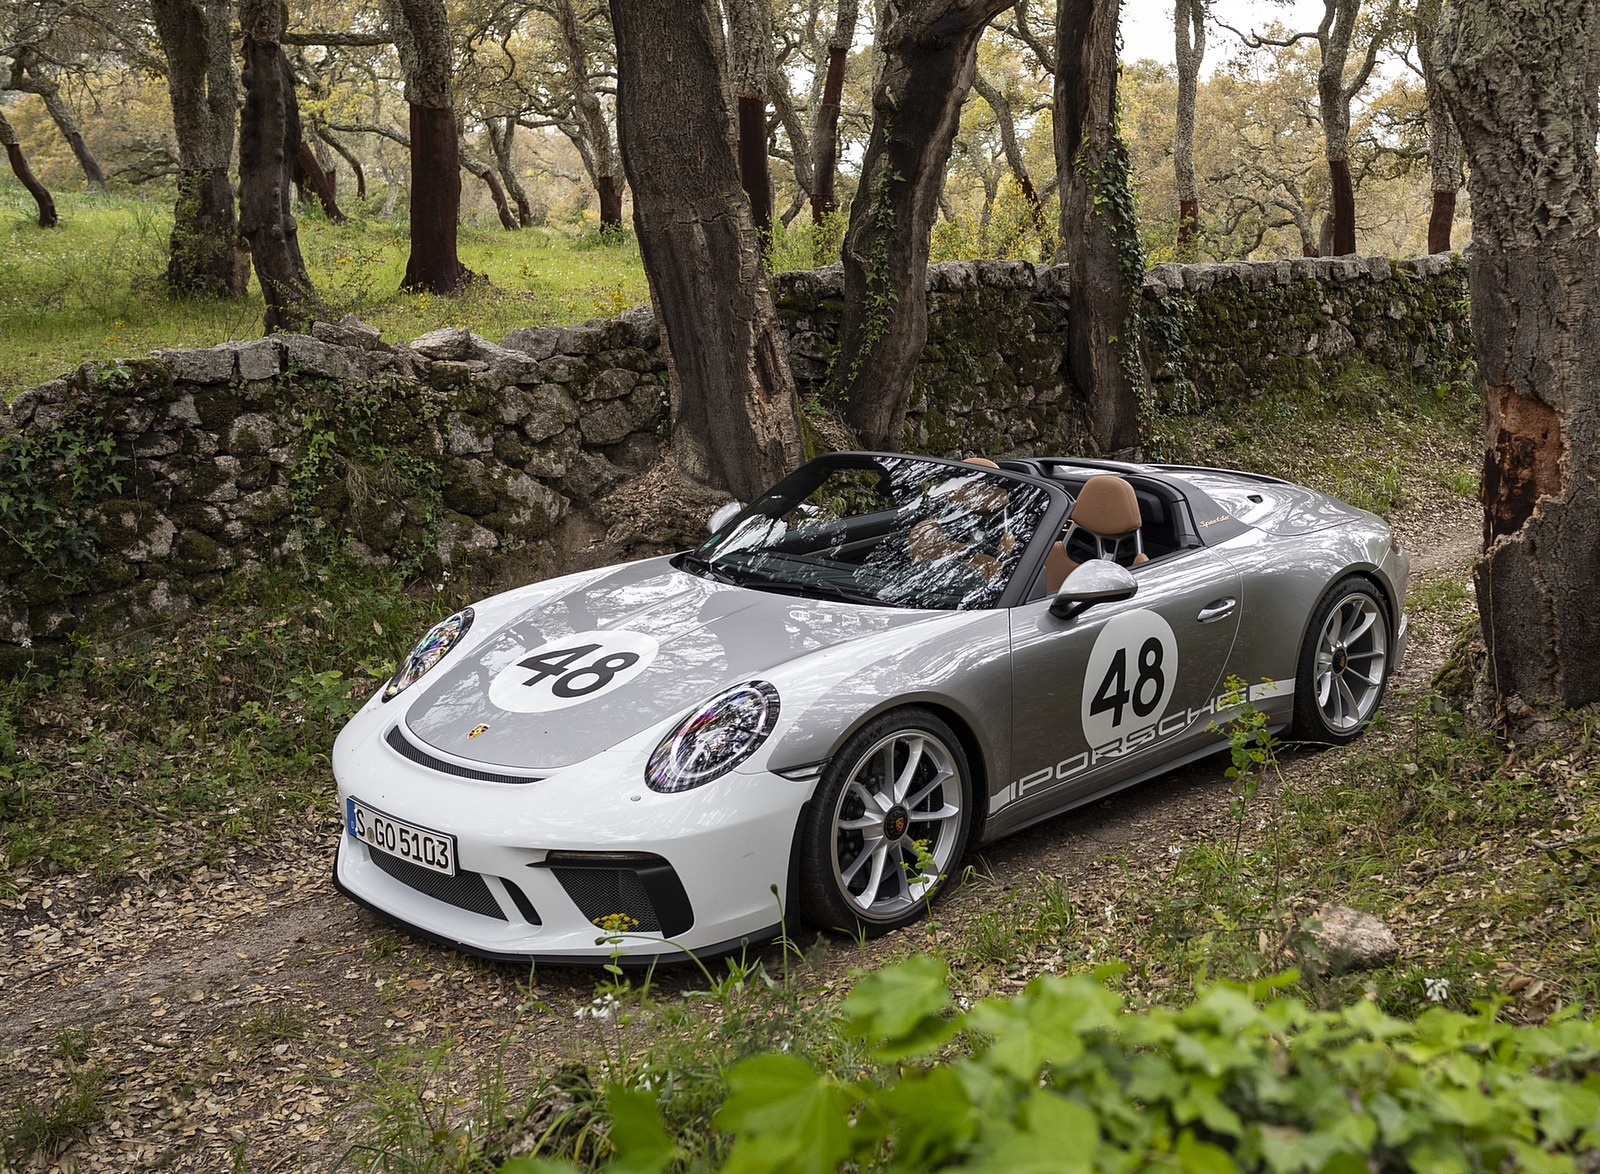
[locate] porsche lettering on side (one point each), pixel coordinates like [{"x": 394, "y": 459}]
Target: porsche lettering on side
[{"x": 882, "y": 662}]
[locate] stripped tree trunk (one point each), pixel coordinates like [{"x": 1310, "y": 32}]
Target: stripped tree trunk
[
  {"x": 502, "y": 138},
  {"x": 1189, "y": 20},
  {"x": 269, "y": 139},
  {"x": 486, "y": 172},
  {"x": 24, "y": 173},
  {"x": 825, "y": 135},
  {"x": 734, "y": 417},
  {"x": 1337, "y": 86},
  {"x": 422, "y": 39},
  {"x": 750, "y": 53},
  {"x": 347, "y": 155},
  {"x": 1100, "y": 347},
  {"x": 1521, "y": 78},
  {"x": 308, "y": 174},
  {"x": 929, "y": 57},
  {"x": 1444, "y": 145}
]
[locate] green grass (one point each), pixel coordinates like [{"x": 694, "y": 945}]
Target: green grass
[
  {"x": 94, "y": 286},
  {"x": 178, "y": 744},
  {"x": 45, "y": 1124},
  {"x": 1367, "y": 438}
]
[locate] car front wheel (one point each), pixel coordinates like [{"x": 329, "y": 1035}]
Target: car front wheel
[
  {"x": 1344, "y": 664},
  {"x": 887, "y": 825}
]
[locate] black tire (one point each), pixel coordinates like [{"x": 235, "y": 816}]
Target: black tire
[
  {"x": 1344, "y": 664},
  {"x": 839, "y": 855}
]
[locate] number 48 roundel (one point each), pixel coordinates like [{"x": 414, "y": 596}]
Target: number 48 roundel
[
  {"x": 571, "y": 670},
  {"x": 1132, "y": 674}
]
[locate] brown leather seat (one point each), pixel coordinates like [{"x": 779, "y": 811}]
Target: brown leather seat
[{"x": 1104, "y": 523}]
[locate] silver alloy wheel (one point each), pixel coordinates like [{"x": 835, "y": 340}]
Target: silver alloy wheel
[
  {"x": 1351, "y": 662},
  {"x": 897, "y": 824}
]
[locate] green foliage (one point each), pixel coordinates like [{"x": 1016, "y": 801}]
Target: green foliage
[
  {"x": 357, "y": 462},
  {"x": 1064, "y": 1077},
  {"x": 44, "y": 1126},
  {"x": 805, "y": 244},
  {"x": 50, "y": 479},
  {"x": 1014, "y": 228}
]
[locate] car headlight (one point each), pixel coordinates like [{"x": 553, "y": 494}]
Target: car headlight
[
  {"x": 714, "y": 738},
  {"x": 429, "y": 651}
]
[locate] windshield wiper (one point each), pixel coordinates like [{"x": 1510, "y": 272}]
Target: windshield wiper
[
  {"x": 825, "y": 590},
  {"x": 689, "y": 561}
]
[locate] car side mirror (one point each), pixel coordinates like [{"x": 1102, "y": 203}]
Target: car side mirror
[
  {"x": 1096, "y": 581},
  {"x": 722, "y": 515}
]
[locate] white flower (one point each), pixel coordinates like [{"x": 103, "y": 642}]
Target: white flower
[
  {"x": 600, "y": 1008},
  {"x": 1174, "y": 851},
  {"x": 1110, "y": 912},
  {"x": 1438, "y": 989}
]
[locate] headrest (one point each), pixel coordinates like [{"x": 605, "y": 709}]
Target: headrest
[
  {"x": 1106, "y": 505},
  {"x": 984, "y": 461}
]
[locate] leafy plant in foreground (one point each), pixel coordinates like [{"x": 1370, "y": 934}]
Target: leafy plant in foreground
[{"x": 1062, "y": 1077}]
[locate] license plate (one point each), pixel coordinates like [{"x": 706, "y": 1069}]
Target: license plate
[{"x": 429, "y": 849}]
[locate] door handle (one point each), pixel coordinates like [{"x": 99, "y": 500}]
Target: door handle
[{"x": 1216, "y": 610}]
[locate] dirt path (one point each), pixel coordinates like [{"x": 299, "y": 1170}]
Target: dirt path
[{"x": 234, "y": 1016}]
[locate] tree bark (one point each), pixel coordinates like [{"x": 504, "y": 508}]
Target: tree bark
[
  {"x": 929, "y": 58},
  {"x": 269, "y": 134},
  {"x": 1521, "y": 78},
  {"x": 208, "y": 257},
  {"x": 1441, "y": 219},
  {"x": 610, "y": 202},
  {"x": 422, "y": 38},
  {"x": 734, "y": 417},
  {"x": 1444, "y": 145},
  {"x": 19, "y": 167},
  {"x": 825, "y": 135},
  {"x": 1189, "y": 20},
  {"x": 1092, "y": 164}
]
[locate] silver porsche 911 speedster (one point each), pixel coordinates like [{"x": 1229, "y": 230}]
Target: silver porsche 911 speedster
[{"x": 882, "y": 662}]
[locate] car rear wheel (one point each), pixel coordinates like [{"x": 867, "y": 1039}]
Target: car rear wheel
[
  {"x": 1344, "y": 665},
  {"x": 887, "y": 825}
]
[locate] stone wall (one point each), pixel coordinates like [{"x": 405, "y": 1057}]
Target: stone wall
[{"x": 131, "y": 489}]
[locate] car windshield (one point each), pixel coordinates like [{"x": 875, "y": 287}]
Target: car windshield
[{"x": 887, "y": 530}]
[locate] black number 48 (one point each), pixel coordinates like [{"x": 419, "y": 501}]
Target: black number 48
[
  {"x": 558, "y": 663},
  {"x": 1148, "y": 687}
]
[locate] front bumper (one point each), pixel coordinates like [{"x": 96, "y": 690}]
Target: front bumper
[{"x": 582, "y": 866}]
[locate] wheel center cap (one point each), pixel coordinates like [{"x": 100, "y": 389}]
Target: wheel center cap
[
  {"x": 896, "y": 822},
  {"x": 1340, "y": 658}
]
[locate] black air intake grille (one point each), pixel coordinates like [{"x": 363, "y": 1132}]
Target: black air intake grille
[
  {"x": 465, "y": 890},
  {"x": 603, "y": 893},
  {"x": 403, "y": 747},
  {"x": 639, "y": 886}
]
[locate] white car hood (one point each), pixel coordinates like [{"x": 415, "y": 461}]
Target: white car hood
[{"x": 695, "y": 637}]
